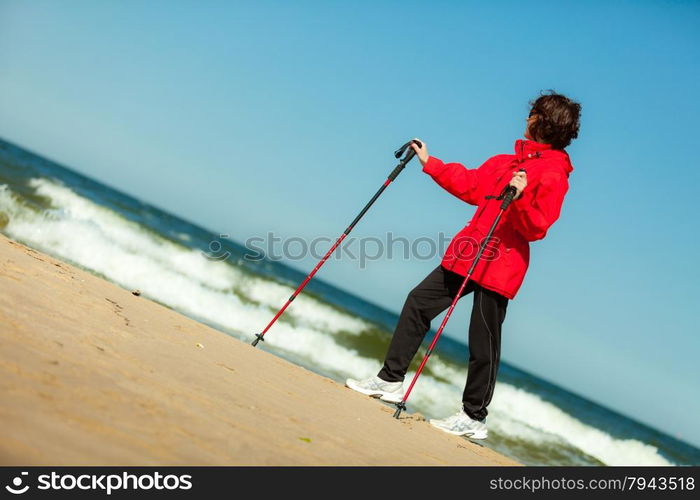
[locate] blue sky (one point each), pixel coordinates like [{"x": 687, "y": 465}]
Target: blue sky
[{"x": 257, "y": 117}]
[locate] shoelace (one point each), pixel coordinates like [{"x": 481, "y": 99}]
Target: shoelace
[{"x": 455, "y": 417}]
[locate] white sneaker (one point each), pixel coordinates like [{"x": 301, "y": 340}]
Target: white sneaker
[
  {"x": 391, "y": 392},
  {"x": 461, "y": 424}
]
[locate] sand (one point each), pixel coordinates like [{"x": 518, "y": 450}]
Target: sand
[{"x": 94, "y": 375}]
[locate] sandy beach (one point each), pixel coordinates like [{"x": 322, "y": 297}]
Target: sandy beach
[{"x": 92, "y": 374}]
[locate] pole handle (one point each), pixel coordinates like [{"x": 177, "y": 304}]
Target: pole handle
[
  {"x": 509, "y": 194},
  {"x": 400, "y": 151},
  {"x": 508, "y": 197},
  {"x": 402, "y": 164},
  {"x": 395, "y": 173}
]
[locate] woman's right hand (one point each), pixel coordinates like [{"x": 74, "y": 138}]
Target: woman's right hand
[{"x": 421, "y": 152}]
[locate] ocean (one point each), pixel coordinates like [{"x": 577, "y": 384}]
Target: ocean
[{"x": 327, "y": 330}]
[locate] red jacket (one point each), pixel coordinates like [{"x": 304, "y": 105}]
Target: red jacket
[{"x": 504, "y": 262}]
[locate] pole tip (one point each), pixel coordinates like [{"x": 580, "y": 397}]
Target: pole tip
[
  {"x": 258, "y": 338},
  {"x": 399, "y": 408}
]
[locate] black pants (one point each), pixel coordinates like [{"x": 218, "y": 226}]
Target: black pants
[{"x": 431, "y": 297}]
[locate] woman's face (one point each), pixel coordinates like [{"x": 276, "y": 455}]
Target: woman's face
[{"x": 530, "y": 122}]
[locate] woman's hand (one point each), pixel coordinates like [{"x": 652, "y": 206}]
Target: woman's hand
[
  {"x": 519, "y": 182},
  {"x": 421, "y": 152}
]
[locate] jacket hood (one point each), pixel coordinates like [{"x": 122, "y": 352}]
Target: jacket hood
[{"x": 526, "y": 149}]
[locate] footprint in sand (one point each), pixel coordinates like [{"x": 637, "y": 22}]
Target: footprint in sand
[{"x": 118, "y": 311}]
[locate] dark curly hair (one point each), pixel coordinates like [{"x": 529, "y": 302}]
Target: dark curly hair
[{"x": 557, "y": 119}]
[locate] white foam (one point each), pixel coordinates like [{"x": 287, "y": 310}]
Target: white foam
[
  {"x": 305, "y": 310},
  {"x": 99, "y": 239},
  {"x": 548, "y": 418}
]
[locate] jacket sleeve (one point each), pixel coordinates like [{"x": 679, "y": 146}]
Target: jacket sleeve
[
  {"x": 537, "y": 209},
  {"x": 456, "y": 179}
]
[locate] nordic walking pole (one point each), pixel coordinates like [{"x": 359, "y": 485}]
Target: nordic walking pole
[
  {"x": 507, "y": 198},
  {"x": 393, "y": 175}
]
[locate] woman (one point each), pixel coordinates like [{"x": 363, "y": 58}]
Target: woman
[{"x": 540, "y": 189}]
